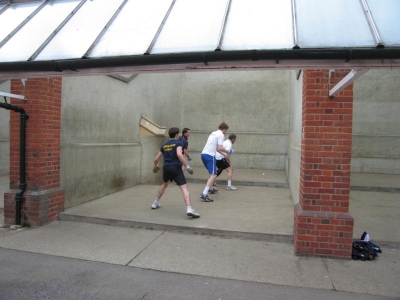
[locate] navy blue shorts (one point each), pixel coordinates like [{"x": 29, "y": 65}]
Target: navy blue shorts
[{"x": 174, "y": 173}]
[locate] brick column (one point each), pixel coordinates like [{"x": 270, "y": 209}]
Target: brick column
[
  {"x": 322, "y": 223},
  {"x": 44, "y": 197}
]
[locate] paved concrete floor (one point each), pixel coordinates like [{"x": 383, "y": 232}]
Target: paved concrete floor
[
  {"x": 263, "y": 211},
  {"x": 244, "y": 236},
  {"x": 209, "y": 256}
]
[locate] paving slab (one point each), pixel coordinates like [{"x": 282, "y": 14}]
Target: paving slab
[
  {"x": 380, "y": 276},
  {"x": 84, "y": 241},
  {"x": 211, "y": 257},
  {"x": 233, "y": 259}
]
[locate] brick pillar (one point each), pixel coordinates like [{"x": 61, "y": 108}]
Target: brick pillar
[
  {"x": 44, "y": 197},
  {"x": 322, "y": 223}
]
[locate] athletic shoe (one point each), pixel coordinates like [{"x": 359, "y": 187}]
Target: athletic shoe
[
  {"x": 213, "y": 191},
  {"x": 206, "y": 198},
  {"x": 231, "y": 188},
  {"x": 156, "y": 204},
  {"x": 192, "y": 213}
]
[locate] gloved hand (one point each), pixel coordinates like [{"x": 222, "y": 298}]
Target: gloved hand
[
  {"x": 155, "y": 169},
  {"x": 231, "y": 151},
  {"x": 189, "y": 169},
  {"x": 189, "y": 158}
]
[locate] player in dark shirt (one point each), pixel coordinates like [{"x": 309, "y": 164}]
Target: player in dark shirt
[{"x": 171, "y": 150}]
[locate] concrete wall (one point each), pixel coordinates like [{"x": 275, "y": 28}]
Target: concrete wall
[
  {"x": 255, "y": 104},
  {"x": 103, "y": 152},
  {"x": 4, "y": 133},
  {"x": 101, "y": 148},
  {"x": 376, "y": 123},
  {"x": 294, "y": 143}
]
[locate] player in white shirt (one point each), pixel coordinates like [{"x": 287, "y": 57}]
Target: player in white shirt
[
  {"x": 224, "y": 161},
  {"x": 214, "y": 144}
]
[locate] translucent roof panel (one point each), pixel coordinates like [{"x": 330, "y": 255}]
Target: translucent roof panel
[
  {"x": 332, "y": 23},
  {"x": 76, "y": 37},
  {"x": 254, "y": 24},
  {"x": 191, "y": 27},
  {"x": 15, "y": 15},
  {"x": 386, "y": 14},
  {"x": 134, "y": 29},
  {"x": 40, "y": 28}
]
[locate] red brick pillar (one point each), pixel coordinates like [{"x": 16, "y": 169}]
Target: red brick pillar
[
  {"x": 44, "y": 197},
  {"x": 322, "y": 223}
]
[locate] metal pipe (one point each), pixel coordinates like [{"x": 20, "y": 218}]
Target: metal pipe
[
  {"x": 294, "y": 25},
  {"x": 160, "y": 28},
  {"x": 223, "y": 27},
  {"x": 372, "y": 24},
  {"x": 19, "y": 198}
]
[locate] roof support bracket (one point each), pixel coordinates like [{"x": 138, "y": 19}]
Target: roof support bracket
[
  {"x": 346, "y": 81},
  {"x": 22, "y": 97}
]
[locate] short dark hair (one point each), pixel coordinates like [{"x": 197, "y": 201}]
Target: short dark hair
[
  {"x": 173, "y": 131},
  {"x": 232, "y": 136},
  {"x": 223, "y": 126},
  {"x": 185, "y": 130}
]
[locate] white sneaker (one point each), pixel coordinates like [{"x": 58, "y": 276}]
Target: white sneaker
[
  {"x": 156, "y": 204},
  {"x": 231, "y": 188},
  {"x": 192, "y": 213}
]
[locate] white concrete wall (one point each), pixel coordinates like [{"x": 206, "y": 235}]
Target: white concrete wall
[
  {"x": 101, "y": 148},
  {"x": 102, "y": 151},
  {"x": 4, "y": 133},
  {"x": 255, "y": 104},
  {"x": 376, "y": 123},
  {"x": 294, "y": 144}
]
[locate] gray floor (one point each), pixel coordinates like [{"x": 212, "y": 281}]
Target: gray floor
[
  {"x": 243, "y": 236},
  {"x": 262, "y": 211}
]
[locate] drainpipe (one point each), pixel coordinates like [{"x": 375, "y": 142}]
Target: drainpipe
[{"x": 22, "y": 184}]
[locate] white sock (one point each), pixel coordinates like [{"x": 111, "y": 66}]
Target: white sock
[
  {"x": 205, "y": 192},
  {"x": 188, "y": 208},
  {"x": 157, "y": 200},
  {"x": 229, "y": 182}
]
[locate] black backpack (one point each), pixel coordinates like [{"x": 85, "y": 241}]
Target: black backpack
[{"x": 365, "y": 249}]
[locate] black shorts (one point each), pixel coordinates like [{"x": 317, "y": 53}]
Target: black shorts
[
  {"x": 223, "y": 164},
  {"x": 174, "y": 173}
]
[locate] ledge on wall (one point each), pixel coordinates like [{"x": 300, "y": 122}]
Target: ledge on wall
[{"x": 149, "y": 128}]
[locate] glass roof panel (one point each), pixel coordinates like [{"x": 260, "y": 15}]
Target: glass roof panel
[
  {"x": 191, "y": 27},
  {"x": 76, "y": 37},
  {"x": 40, "y": 28},
  {"x": 332, "y": 23},
  {"x": 386, "y": 14},
  {"x": 254, "y": 24},
  {"x": 15, "y": 15},
  {"x": 134, "y": 29}
]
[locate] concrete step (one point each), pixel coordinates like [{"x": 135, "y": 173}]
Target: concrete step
[
  {"x": 256, "y": 236},
  {"x": 243, "y": 183}
]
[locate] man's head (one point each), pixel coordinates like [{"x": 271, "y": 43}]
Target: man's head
[
  {"x": 232, "y": 137},
  {"x": 173, "y": 132},
  {"x": 223, "y": 127},
  {"x": 186, "y": 132}
]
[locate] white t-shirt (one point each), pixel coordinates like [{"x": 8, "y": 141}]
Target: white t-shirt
[
  {"x": 216, "y": 138},
  {"x": 227, "y": 144}
]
